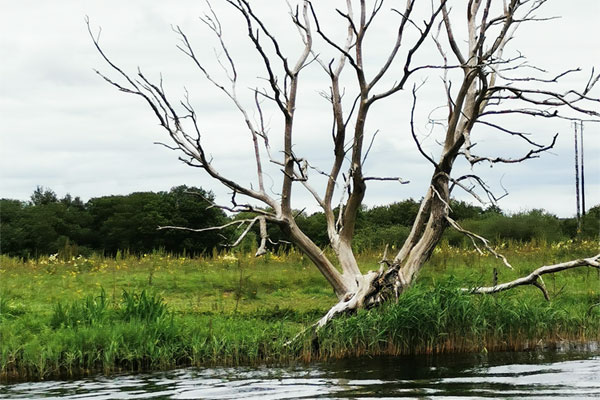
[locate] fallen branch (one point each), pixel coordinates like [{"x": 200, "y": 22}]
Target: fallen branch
[{"x": 535, "y": 278}]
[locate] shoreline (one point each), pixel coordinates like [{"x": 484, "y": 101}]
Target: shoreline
[{"x": 562, "y": 346}]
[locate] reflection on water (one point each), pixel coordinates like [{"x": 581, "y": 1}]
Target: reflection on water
[{"x": 499, "y": 375}]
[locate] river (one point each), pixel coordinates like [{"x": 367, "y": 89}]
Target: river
[{"x": 537, "y": 374}]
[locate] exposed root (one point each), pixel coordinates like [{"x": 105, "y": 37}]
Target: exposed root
[
  {"x": 374, "y": 288},
  {"x": 353, "y": 301}
]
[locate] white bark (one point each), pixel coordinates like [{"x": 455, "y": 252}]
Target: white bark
[{"x": 535, "y": 277}]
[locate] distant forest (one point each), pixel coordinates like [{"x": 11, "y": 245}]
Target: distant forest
[{"x": 68, "y": 226}]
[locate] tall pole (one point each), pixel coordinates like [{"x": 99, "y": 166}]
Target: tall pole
[
  {"x": 577, "y": 180},
  {"x": 582, "y": 173}
]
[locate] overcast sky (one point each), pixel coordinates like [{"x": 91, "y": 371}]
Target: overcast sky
[{"x": 64, "y": 128}]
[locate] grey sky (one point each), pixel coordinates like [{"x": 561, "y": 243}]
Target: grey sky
[{"x": 64, "y": 128}]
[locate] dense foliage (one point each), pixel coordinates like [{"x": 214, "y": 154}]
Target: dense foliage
[
  {"x": 68, "y": 226},
  {"x": 48, "y": 225}
]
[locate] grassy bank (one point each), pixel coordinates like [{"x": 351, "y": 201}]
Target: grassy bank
[{"x": 77, "y": 316}]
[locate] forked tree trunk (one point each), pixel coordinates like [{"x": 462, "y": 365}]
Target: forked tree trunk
[
  {"x": 392, "y": 278},
  {"x": 418, "y": 248},
  {"x": 341, "y": 284}
]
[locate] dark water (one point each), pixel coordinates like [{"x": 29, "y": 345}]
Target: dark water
[{"x": 501, "y": 375}]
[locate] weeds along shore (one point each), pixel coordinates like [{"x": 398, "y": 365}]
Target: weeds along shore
[{"x": 77, "y": 316}]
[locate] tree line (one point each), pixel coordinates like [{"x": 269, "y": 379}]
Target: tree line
[{"x": 47, "y": 224}]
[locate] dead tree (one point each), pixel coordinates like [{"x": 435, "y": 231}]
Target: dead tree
[{"x": 482, "y": 84}]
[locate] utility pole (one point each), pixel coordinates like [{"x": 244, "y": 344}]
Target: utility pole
[
  {"x": 582, "y": 172},
  {"x": 577, "y": 180}
]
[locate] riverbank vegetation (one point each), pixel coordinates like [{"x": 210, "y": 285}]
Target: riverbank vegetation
[{"x": 61, "y": 317}]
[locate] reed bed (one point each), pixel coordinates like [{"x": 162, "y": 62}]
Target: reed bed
[{"x": 71, "y": 317}]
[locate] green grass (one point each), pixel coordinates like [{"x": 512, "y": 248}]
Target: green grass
[
  {"x": 79, "y": 316},
  {"x": 443, "y": 318}
]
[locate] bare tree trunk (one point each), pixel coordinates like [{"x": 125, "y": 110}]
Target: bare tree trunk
[
  {"x": 421, "y": 251},
  {"x": 341, "y": 284}
]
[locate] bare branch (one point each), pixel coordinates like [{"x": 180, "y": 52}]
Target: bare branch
[
  {"x": 329, "y": 41},
  {"x": 412, "y": 128},
  {"x": 387, "y": 178},
  {"x": 532, "y": 278},
  {"x": 369, "y": 147},
  {"x": 396, "y": 47},
  {"x": 469, "y": 234},
  {"x": 450, "y": 34},
  {"x": 552, "y": 99},
  {"x": 493, "y": 199},
  {"x": 407, "y": 71},
  {"x": 554, "y": 79},
  {"x": 237, "y": 223},
  {"x": 534, "y": 153},
  {"x": 483, "y": 240},
  {"x": 262, "y": 249},
  {"x": 522, "y": 135}
]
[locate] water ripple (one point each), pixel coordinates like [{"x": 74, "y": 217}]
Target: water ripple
[{"x": 513, "y": 375}]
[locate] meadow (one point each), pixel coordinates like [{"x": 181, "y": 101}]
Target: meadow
[{"x": 81, "y": 315}]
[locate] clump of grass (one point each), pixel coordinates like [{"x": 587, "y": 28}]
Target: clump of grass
[
  {"x": 142, "y": 306},
  {"x": 9, "y": 309},
  {"x": 92, "y": 311},
  {"x": 95, "y": 311},
  {"x": 444, "y": 318}
]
